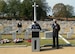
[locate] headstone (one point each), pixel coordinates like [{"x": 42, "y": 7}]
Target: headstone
[
  {"x": 19, "y": 30},
  {"x": 69, "y": 34},
  {"x": 13, "y": 35},
  {"x": 48, "y": 34},
  {"x": 26, "y": 35}
]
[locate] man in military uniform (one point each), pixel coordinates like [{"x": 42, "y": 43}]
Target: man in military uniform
[
  {"x": 35, "y": 36},
  {"x": 19, "y": 25},
  {"x": 35, "y": 26}
]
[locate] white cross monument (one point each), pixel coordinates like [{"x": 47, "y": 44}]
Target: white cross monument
[
  {"x": 35, "y": 40},
  {"x": 35, "y": 10}
]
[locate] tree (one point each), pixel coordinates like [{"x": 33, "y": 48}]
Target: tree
[
  {"x": 59, "y": 10},
  {"x": 27, "y": 9},
  {"x": 14, "y": 7},
  {"x": 70, "y": 10},
  {"x": 42, "y": 9},
  {"x": 2, "y": 7}
]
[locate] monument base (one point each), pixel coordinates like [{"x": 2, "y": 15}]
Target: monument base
[{"x": 35, "y": 44}]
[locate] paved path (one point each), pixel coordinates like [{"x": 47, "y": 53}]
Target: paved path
[{"x": 27, "y": 50}]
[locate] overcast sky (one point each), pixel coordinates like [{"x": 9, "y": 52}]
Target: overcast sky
[{"x": 51, "y": 3}]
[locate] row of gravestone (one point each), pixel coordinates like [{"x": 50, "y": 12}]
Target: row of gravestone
[
  {"x": 8, "y": 30},
  {"x": 13, "y": 35},
  {"x": 48, "y": 35}
]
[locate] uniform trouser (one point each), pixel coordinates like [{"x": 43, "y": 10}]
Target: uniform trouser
[{"x": 55, "y": 40}]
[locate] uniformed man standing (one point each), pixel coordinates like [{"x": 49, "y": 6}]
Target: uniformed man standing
[
  {"x": 56, "y": 29},
  {"x": 19, "y": 25},
  {"x": 35, "y": 26},
  {"x": 35, "y": 36}
]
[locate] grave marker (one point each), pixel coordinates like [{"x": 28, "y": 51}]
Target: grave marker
[
  {"x": 48, "y": 34},
  {"x": 13, "y": 35}
]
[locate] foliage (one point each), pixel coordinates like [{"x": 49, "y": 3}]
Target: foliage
[
  {"x": 42, "y": 9},
  {"x": 2, "y": 7},
  {"x": 13, "y": 7},
  {"x": 70, "y": 11},
  {"x": 26, "y": 9},
  {"x": 16, "y": 8},
  {"x": 61, "y": 10}
]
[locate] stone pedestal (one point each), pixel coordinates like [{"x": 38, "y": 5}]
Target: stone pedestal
[
  {"x": 35, "y": 44},
  {"x": 35, "y": 41}
]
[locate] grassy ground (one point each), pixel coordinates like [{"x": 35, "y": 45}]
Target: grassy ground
[
  {"x": 71, "y": 40},
  {"x": 42, "y": 41}
]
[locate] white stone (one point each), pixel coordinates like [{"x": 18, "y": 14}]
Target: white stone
[
  {"x": 48, "y": 34},
  {"x": 37, "y": 44},
  {"x": 13, "y": 35}
]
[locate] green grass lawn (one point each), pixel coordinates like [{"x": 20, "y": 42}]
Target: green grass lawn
[
  {"x": 71, "y": 40},
  {"x": 42, "y": 41}
]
